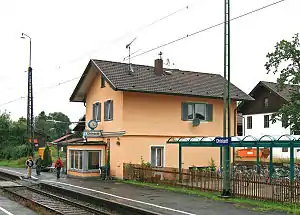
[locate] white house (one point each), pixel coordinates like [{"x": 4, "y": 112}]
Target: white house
[{"x": 256, "y": 114}]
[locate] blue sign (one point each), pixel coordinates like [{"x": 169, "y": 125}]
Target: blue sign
[{"x": 223, "y": 141}]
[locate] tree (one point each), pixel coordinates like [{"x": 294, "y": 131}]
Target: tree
[
  {"x": 50, "y": 129},
  {"x": 285, "y": 59},
  {"x": 47, "y": 161}
]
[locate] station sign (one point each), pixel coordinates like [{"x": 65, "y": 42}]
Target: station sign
[
  {"x": 93, "y": 133},
  {"x": 223, "y": 141}
]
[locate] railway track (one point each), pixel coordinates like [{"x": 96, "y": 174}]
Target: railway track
[
  {"x": 48, "y": 199},
  {"x": 53, "y": 204}
]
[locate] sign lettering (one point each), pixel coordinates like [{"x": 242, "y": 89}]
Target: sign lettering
[{"x": 223, "y": 141}]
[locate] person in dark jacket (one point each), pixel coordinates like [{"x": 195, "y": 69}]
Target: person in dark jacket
[
  {"x": 38, "y": 164},
  {"x": 58, "y": 165}
]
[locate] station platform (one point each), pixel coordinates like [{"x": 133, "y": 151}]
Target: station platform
[
  {"x": 8, "y": 207},
  {"x": 154, "y": 199}
]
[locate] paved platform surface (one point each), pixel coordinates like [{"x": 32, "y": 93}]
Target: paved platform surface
[
  {"x": 157, "y": 200},
  {"x": 8, "y": 207}
]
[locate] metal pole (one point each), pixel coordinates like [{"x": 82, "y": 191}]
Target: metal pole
[
  {"x": 271, "y": 164},
  {"x": 292, "y": 171},
  {"x": 226, "y": 177},
  {"x": 180, "y": 162},
  {"x": 257, "y": 160}
]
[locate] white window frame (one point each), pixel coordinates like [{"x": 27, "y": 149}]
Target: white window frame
[
  {"x": 108, "y": 108},
  {"x": 164, "y": 154},
  {"x": 100, "y": 157},
  {"x": 95, "y": 102},
  {"x": 70, "y": 162},
  {"x": 194, "y": 110}
]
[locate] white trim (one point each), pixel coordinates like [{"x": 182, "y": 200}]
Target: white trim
[
  {"x": 97, "y": 101},
  {"x": 82, "y": 157},
  {"x": 100, "y": 157},
  {"x": 164, "y": 153},
  {"x": 120, "y": 197},
  {"x": 108, "y": 120},
  {"x": 5, "y": 211}
]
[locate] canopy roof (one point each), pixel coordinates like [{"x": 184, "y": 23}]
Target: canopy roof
[{"x": 240, "y": 141}]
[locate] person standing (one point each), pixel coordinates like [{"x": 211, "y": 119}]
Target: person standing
[
  {"x": 38, "y": 164},
  {"x": 58, "y": 166},
  {"x": 29, "y": 164}
]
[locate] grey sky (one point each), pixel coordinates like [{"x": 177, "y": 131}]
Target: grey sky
[{"x": 66, "y": 34}]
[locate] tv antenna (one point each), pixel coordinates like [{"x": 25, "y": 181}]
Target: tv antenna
[{"x": 128, "y": 47}]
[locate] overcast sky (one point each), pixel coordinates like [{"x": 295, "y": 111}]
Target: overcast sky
[{"x": 67, "y": 33}]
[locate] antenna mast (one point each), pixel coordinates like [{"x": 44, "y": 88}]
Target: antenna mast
[{"x": 128, "y": 47}]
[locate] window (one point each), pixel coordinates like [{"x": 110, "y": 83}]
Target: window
[
  {"x": 108, "y": 110},
  {"x": 285, "y": 149},
  {"x": 102, "y": 82},
  {"x": 97, "y": 111},
  {"x": 76, "y": 159},
  {"x": 266, "y": 102},
  {"x": 249, "y": 122},
  {"x": 157, "y": 156},
  {"x": 94, "y": 161},
  {"x": 266, "y": 121},
  {"x": 200, "y": 111}
]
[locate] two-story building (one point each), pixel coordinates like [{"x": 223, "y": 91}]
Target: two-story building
[
  {"x": 137, "y": 108},
  {"x": 257, "y": 114}
]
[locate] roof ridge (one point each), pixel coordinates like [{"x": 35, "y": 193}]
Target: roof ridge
[{"x": 172, "y": 69}]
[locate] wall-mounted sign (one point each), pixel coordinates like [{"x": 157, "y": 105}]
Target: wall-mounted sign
[
  {"x": 93, "y": 133},
  {"x": 92, "y": 124},
  {"x": 223, "y": 141}
]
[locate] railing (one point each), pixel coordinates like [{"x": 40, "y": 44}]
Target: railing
[{"x": 248, "y": 184}]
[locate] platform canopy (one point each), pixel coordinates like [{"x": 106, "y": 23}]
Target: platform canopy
[{"x": 269, "y": 141}]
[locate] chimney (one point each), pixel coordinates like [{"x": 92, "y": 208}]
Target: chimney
[{"x": 158, "y": 67}]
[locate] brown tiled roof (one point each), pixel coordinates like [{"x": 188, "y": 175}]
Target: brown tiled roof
[
  {"x": 143, "y": 79},
  {"x": 284, "y": 93}
]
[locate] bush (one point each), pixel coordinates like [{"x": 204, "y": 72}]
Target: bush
[
  {"x": 15, "y": 152},
  {"x": 47, "y": 161}
]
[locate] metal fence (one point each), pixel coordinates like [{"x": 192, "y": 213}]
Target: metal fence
[{"x": 247, "y": 184}]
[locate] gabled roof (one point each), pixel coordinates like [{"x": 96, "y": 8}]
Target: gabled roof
[
  {"x": 274, "y": 87},
  {"x": 143, "y": 79}
]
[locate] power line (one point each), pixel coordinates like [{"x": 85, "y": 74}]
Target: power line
[
  {"x": 203, "y": 30},
  {"x": 42, "y": 90},
  {"x": 188, "y": 35},
  {"x": 125, "y": 35}
]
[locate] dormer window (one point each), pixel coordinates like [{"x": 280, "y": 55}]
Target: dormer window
[{"x": 266, "y": 102}]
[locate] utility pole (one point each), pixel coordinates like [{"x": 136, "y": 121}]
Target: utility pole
[
  {"x": 30, "y": 118},
  {"x": 226, "y": 150}
]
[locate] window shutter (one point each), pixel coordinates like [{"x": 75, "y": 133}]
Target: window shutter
[
  {"x": 105, "y": 110},
  {"x": 111, "y": 109},
  {"x": 184, "y": 111},
  {"x": 99, "y": 112},
  {"x": 209, "y": 112},
  {"x": 94, "y": 109}
]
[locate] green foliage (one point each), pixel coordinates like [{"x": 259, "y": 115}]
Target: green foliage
[
  {"x": 144, "y": 164},
  {"x": 286, "y": 60},
  {"x": 52, "y": 126},
  {"x": 14, "y": 142},
  {"x": 47, "y": 161},
  {"x": 19, "y": 163},
  {"x": 212, "y": 165}
]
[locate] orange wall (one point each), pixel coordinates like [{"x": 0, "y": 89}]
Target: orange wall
[
  {"x": 96, "y": 93},
  {"x": 157, "y": 114},
  {"x": 132, "y": 148}
]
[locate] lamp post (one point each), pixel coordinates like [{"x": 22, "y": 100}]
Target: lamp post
[{"x": 30, "y": 127}]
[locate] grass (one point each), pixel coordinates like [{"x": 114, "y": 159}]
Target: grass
[
  {"x": 19, "y": 163},
  {"x": 238, "y": 202}
]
